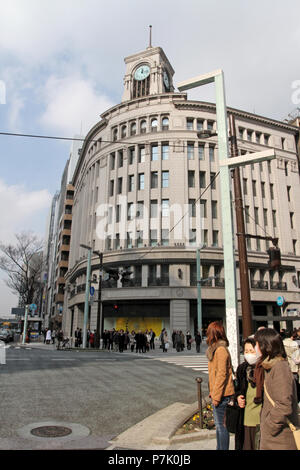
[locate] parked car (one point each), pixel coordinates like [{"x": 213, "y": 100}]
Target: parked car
[{"x": 5, "y": 336}]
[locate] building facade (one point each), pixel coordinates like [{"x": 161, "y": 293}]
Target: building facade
[{"x": 146, "y": 194}]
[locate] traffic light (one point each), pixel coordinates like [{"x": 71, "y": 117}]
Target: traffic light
[
  {"x": 274, "y": 257},
  {"x": 116, "y": 308}
]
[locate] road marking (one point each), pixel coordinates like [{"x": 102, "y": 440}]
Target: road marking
[
  {"x": 56, "y": 359},
  {"x": 198, "y": 363},
  {"x": 17, "y": 359}
]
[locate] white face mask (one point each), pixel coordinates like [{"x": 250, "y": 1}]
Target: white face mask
[
  {"x": 258, "y": 354},
  {"x": 251, "y": 358}
]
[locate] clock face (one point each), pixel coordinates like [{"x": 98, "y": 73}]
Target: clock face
[
  {"x": 166, "y": 80},
  {"x": 142, "y": 72}
]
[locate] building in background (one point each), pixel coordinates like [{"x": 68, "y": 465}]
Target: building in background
[{"x": 146, "y": 194}]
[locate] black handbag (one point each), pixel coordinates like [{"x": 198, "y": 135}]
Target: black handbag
[{"x": 232, "y": 413}]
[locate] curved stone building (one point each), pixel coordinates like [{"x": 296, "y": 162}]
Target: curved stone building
[{"x": 147, "y": 195}]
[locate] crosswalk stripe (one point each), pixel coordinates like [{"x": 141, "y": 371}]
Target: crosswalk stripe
[{"x": 197, "y": 364}]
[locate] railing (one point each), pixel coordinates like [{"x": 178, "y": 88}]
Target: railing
[
  {"x": 159, "y": 281},
  {"x": 220, "y": 282},
  {"x": 259, "y": 284},
  {"x": 278, "y": 285}
]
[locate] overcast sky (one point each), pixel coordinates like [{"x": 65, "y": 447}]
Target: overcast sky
[{"x": 62, "y": 65}]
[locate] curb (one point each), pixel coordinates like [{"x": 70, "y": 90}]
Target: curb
[{"x": 158, "y": 430}]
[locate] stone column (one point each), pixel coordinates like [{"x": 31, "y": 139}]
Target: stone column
[{"x": 179, "y": 315}]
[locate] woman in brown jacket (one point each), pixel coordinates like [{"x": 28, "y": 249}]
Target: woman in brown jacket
[
  {"x": 280, "y": 386},
  {"x": 221, "y": 386}
]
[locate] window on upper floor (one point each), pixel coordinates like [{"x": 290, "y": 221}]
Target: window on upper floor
[
  {"x": 143, "y": 127},
  {"x": 133, "y": 128},
  {"x": 154, "y": 124},
  {"x": 115, "y": 134},
  {"x": 165, "y": 179},
  {"x": 190, "y": 124},
  {"x": 165, "y": 151},
  {"x": 190, "y": 150},
  {"x": 154, "y": 152},
  {"x": 123, "y": 131},
  {"x": 165, "y": 123}
]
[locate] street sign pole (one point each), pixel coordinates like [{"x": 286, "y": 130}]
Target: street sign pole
[
  {"x": 87, "y": 293},
  {"x": 25, "y": 324},
  {"x": 199, "y": 300}
]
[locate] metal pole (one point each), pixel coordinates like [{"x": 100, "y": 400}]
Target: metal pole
[
  {"x": 240, "y": 225},
  {"x": 199, "y": 381},
  {"x": 25, "y": 324},
  {"x": 87, "y": 294},
  {"x": 227, "y": 224},
  {"x": 199, "y": 300},
  {"x": 99, "y": 310}
]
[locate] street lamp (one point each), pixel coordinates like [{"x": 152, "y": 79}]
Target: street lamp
[
  {"x": 226, "y": 164},
  {"x": 87, "y": 293},
  {"x": 217, "y": 77},
  {"x": 99, "y": 308}
]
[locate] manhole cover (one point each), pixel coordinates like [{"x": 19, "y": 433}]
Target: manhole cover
[{"x": 51, "y": 431}]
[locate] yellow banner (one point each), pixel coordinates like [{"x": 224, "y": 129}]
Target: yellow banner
[{"x": 139, "y": 323}]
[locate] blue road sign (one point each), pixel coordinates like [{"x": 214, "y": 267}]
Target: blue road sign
[
  {"x": 33, "y": 307},
  {"x": 92, "y": 290},
  {"x": 280, "y": 301}
]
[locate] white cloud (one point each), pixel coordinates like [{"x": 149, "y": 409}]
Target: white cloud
[
  {"x": 19, "y": 209},
  {"x": 72, "y": 104}
]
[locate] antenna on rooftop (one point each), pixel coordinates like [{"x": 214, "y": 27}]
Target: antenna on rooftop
[{"x": 150, "y": 36}]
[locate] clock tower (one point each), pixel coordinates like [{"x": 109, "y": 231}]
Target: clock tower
[{"x": 147, "y": 73}]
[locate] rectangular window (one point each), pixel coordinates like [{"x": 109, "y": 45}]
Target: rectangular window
[
  {"x": 190, "y": 124},
  {"x": 129, "y": 240},
  {"x": 245, "y": 187},
  {"x": 140, "y": 210},
  {"x": 254, "y": 187},
  {"x": 211, "y": 153},
  {"x": 263, "y": 193},
  {"x": 256, "y": 215},
  {"x": 202, "y": 179},
  {"x": 153, "y": 208},
  {"x": 165, "y": 151},
  {"x": 241, "y": 132},
  {"x": 165, "y": 211},
  {"x": 192, "y": 237},
  {"x": 153, "y": 237},
  {"x": 213, "y": 180},
  {"x": 165, "y": 237},
  {"x": 130, "y": 214},
  {"x": 272, "y": 190},
  {"x": 190, "y": 151},
  {"x": 203, "y": 208},
  {"x": 274, "y": 218},
  {"x": 154, "y": 152},
  {"x": 118, "y": 213},
  {"x": 289, "y": 193},
  {"x": 258, "y": 247},
  {"x": 109, "y": 217},
  {"x": 292, "y": 219},
  {"x": 266, "y": 139},
  {"x": 165, "y": 179},
  {"x": 249, "y": 135},
  {"x": 142, "y": 153},
  {"x": 131, "y": 155},
  {"x": 295, "y": 247},
  {"x": 257, "y": 137},
  {"x": 111, "y": 187},
  {"x": 214, "y": 209},
  {"x": 248, "y": 243},
  {"x": 108, "y": 242},
  {"x": 265, "y": 217},
  {"x": 199, "y": 124},
  {"x": 112, "y": 161},
  {"x": 247, "y": 208},
  {"x": 210, "y": 125},
  {"x": 191, "y": 179},
  {"x": 120, "y": 158},
  {"x": 192, "y": 207},
  {"x": 215, "y": 238},
  {"x": 120, "y": 185},
  {"x": 141, "y": 181},
  {"x": 154, "y": 179},
  {"x": 130, "y": 183},
  {"x": 205, "y": 236},
  {"x": 117, "y": 241},
  {"x": 201, "y": 152},
  {"x": 139, "y": 238}
]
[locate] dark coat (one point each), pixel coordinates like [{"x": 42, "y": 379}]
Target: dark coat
[{"x": 241, "y": 385}]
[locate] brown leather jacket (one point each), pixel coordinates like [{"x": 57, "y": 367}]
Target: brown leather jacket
[{"x": 220, "y": 371}]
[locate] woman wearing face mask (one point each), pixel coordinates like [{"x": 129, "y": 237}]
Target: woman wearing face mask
[
  {"x": 248, "y": 393},
  {"x": 280, "y": 405}
]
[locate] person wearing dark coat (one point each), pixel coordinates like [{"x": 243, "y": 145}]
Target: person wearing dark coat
[
  {"x": 121, "y": 340},
  {"x": 198, "y": 341},
  {"x": 139, "y": 338},
  {"x": 152, "y": 336},
  {"x": 188, "y": 340},
  {"x": 248, "y": 393}
]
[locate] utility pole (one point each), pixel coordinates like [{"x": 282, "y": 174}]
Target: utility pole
[
  {"x": 242, "y": 248},
  {"x": 199, "y": 299},
  {"x": 87, "y": 294}
]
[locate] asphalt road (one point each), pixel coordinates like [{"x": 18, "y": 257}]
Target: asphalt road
[{"x": 106, "y": 392}]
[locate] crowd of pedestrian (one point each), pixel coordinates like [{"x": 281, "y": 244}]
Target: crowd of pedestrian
[{"x": 264, "y": 390}]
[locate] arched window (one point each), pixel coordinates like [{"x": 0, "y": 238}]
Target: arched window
[
  {"x": 115, "y": 134},
  {"x": 133, "y": 129},
  {"x": 143, "y": 126},
  {"x": 154, "y": 124},
  {"x": 123, "y": 131},
  {"x": 165, "y": 123}
]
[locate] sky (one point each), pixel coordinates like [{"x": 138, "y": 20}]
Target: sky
[{"x": 62, "y": 65}]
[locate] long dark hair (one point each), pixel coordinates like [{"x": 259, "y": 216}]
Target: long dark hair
[{"x": 270, "y": 343}]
